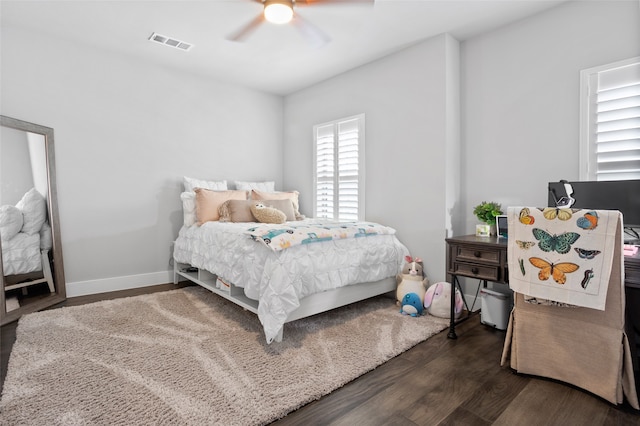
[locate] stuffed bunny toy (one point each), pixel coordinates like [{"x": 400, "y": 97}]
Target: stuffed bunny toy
[
  {"x": 411, "y": 287},
  {"x": 437, "y": 300}
]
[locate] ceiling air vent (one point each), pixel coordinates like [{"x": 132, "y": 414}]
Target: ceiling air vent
[{"x": 171, "y": 42}]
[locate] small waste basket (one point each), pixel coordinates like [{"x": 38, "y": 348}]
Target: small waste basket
[{"x": 496, "y": 306}]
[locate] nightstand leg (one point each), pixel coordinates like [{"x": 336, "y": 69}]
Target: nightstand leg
[{"x": 452, "y": 317}]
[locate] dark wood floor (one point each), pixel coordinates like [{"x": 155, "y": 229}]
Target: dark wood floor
[{"x": 438, "y": 382}]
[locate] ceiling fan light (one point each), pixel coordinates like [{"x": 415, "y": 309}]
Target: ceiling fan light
[{"x": 278, "y": 13}]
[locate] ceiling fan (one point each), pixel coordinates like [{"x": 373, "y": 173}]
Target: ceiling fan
[{"x": 282, "y": 12}]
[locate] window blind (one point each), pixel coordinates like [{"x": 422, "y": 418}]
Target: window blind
[
  {"x": 325, "y": 173},
  {"x": 614, "y": 121},
  {"x": 337, "y": 169}
]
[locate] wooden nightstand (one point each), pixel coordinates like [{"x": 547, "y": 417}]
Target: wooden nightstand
[{"x": 483, "y": 258}]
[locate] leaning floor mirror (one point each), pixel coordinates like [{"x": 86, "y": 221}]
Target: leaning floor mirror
[{"x": 31, "y": 261}]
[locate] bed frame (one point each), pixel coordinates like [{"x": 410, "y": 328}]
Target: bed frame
[
  {"x": 24, "y": 280},
  {"x": 309, "y": 305}
]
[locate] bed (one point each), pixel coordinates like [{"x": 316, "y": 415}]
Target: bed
[
  {"x": 283, "y": 272},
  {"x": 25, "y": 235}
]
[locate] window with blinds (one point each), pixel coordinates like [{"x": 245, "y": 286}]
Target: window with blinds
[
  {"x": 610, "y": 122},
  {"x": 339, "y": 169}
]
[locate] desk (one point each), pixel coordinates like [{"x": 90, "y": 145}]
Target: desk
[
  {"x": 632, "y": 271},
  {"x": 632, "y": 287},
  {"x": 484, "y": 258}
]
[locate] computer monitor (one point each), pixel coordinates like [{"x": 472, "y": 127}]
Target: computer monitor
[{"x": 622, "y": 195}]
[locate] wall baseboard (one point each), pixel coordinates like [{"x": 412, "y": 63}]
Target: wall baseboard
[{"x": 106, "y": 285}]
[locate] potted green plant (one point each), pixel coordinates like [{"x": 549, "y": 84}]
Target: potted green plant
[{"x": 487, "y": 212}]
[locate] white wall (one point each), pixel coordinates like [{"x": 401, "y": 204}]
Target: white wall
[
  {"x": 16, "y": 177},
  {"x": 520, "y": 100},
  {"x": 519, "y": 130},
  {"x": 520, "y": 96},
  {"x": 411, "y": 133},
  {"x": 125, "y": 134}
]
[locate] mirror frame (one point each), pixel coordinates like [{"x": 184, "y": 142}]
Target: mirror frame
[{"x": 54, "y": 221}]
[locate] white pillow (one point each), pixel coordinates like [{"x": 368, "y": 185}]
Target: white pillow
[
  {"x": 11, "y": 220},
  {"x": 189, "y": 207},
  {"x": 34, "y": 210},
  {"x": 190, "y": 184},
  {"x": 258, "y": 186},
  {"x": 46, "y": 237}
]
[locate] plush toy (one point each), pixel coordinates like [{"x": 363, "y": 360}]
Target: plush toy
[
  {"x": 411, "y": 287},
  {"x": 411, "y": 305},
  {"x": 437, "y": 300},
  {"x": 266, "y": 214}
]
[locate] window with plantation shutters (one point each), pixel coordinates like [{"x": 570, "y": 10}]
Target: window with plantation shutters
[
  {"x": 339, "y": 169},
  {"x": 610, "y": 121}
]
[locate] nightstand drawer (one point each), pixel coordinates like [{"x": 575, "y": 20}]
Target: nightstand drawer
[
  {"x": 483, "y": 272},
  {"x": 474, "y": 254}
]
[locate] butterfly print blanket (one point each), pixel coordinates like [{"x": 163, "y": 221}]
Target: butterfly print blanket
[{"x": 562, "y": 255}]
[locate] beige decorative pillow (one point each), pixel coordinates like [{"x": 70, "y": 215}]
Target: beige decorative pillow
[
  {"x": 285, "y": 206},
  {"x": 236, "y": 211},
  {"x": 266, "y": 214},
  {"x": 288, "y": 195},
  {"x": 208, "y": 202}
]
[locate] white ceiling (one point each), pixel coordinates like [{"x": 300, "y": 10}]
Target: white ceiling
[{"x": 274, "y": 59}]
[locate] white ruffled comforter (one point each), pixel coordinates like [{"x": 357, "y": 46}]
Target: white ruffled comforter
[
  {"x": 21, "y": 254},
  {"x": 278, "y": 280}
]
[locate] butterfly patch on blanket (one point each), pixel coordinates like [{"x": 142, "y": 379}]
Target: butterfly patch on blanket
[
  {"x": 560, "y": 244},
  {"x": 558, "y": 255}
]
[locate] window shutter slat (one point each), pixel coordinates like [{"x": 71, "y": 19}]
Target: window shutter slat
[
  {"x": 621, "y": 124},
  {"x": 618, "y": 104},
  {"x": 618, "y": 114},
  {"x": 337, "y": 169},
  {"x": 618, "y": 135}
]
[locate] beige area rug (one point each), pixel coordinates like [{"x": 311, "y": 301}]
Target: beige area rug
[{"x": 189, "y": 357}]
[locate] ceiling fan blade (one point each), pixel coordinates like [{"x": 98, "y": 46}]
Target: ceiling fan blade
[
  {"x": 242, "y": 33},
  {"x": 313, "y": 34},
  {"x": 314, "y": 2}
]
